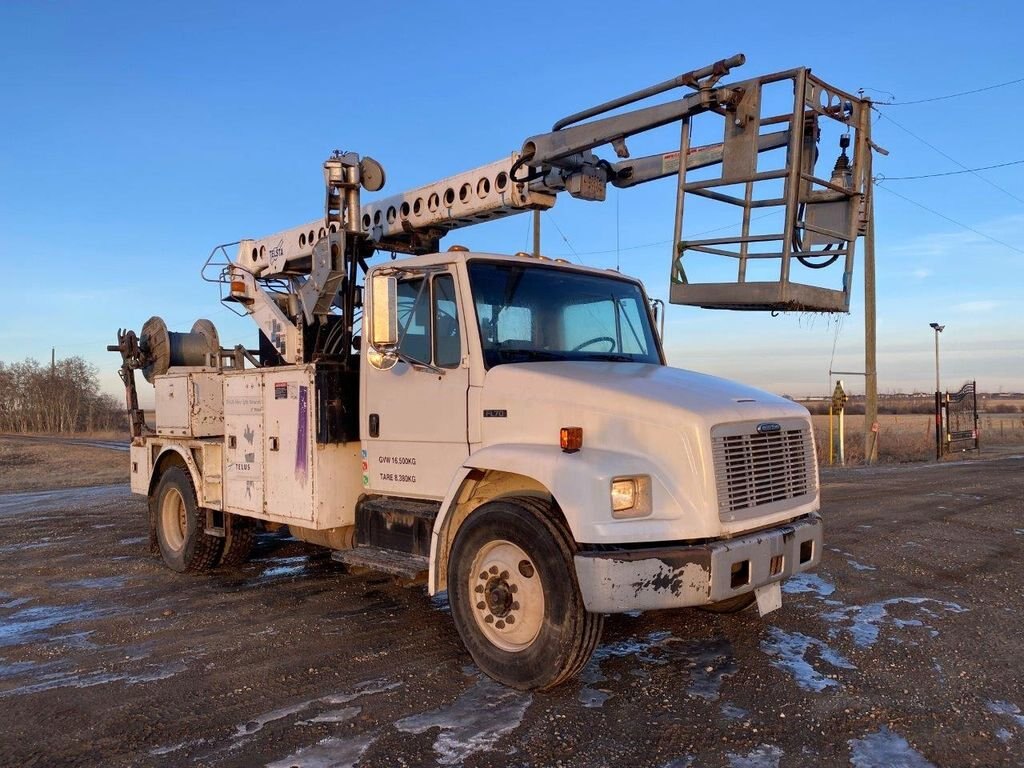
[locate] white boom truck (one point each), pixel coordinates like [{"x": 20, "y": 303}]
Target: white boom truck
[{"x": 505, "y": 426}]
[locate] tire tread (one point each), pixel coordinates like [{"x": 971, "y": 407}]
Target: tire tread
[{"x": 240, "y": 541}]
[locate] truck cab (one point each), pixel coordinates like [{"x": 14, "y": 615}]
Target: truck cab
[{"x": 541, "y": 386}]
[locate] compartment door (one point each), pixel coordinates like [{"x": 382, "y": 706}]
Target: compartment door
[
  {"x": 288, "y": 404},
  {"x": 243, "y": 443}
]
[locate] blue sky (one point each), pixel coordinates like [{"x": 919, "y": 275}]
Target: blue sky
[{"x": 136, "y": 136}]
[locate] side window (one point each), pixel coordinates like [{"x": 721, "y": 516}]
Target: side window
[
  {"x": 447, "y": 343},
  {"x": 414, "y": 319}
]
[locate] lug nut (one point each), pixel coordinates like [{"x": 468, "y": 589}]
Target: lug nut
[
  {"x": 479, "y": 588},
  {"x": 504, "y": 575},
  {"x": 513, "y": 588},
  {"x": 488, "y": 618},
  {"x": 510, "y": 619},
  {"x": 481, "y": 605},
  {"x": 493, "y": 569},
  {"x": 500, "y": 625},
  {"x": 515, "y": 606}
]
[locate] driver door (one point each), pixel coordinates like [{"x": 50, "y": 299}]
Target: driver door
[{"x": 414, "y": 429}]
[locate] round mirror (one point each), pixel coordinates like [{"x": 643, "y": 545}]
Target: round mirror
[{"x": 381, "y": 360}]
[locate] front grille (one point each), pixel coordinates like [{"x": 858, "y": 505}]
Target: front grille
[{"x": 753, "y": 469}]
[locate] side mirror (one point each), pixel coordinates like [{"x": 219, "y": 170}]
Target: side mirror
[
  {"x": 384, "y": 301},
  {"x": 383, "y": 322}
]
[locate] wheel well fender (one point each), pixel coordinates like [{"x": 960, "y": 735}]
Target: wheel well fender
[
  {"x": 173, "y": 456},
  {"x": 471, "y": 488}
]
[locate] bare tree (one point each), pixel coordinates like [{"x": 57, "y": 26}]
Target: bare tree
[{"x": 62, "y": 398}]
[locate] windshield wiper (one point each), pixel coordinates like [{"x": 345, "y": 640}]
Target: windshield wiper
[{"x": 610, "y": 357}]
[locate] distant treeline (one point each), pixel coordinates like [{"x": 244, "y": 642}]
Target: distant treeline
[{"x": 61, "y": 398}]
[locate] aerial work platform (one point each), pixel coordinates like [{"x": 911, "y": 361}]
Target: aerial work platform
[{"x": 802, "y": 260}]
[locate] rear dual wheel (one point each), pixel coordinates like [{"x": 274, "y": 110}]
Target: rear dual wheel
[{"x": 514, "y": 595}]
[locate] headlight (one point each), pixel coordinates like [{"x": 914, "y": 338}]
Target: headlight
[{"x": 631, "y": 496}]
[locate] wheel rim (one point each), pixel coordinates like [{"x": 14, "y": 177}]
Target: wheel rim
[
  {"x": 507, "y": 595},
  {"x": 173, "y": 519}
]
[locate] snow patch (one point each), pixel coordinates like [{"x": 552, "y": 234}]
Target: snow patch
[
  {"x": 864, "y": 622},
  {"x": 708, "y": 663},
  {"x": 789, "y": 652},
  {"x": 329, "y": 753},
  {"x": 764, "y": 756},
  {"x": 473, "y": 723},
  {"x": 885, "y": 748},
  {"x": 808, "y": 583}
]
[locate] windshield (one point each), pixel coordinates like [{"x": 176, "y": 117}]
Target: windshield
[{"x": 537, "y": 313}]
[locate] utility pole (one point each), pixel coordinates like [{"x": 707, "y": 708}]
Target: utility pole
[
  {"x": 870, "y": 372},
  {"x": 938, "y": 393},
  {"x": 536, "y": 233}
]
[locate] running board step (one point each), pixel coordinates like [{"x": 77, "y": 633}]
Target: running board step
[
  {"x": 396, "y": 524},
  {"x": 384, "y": 560}
]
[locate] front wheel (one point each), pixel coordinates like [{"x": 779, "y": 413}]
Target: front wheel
[{"x": 514, "y": 595}]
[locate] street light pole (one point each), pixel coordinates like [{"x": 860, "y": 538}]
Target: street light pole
[
  {"x": 938, "y": 393},
  {"x": 938, "y": 329}
]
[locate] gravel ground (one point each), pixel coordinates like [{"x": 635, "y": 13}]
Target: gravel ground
[{"x": 903, "y": 649}]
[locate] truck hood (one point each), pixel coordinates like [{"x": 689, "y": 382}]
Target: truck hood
[
  {"x": 637, "y": 419},
  {"x": 636, "y": 390}
]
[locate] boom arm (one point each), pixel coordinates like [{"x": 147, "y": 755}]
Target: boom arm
[
  {"x": 315, "y": 264},
  {"x": 561, "y": 161}
]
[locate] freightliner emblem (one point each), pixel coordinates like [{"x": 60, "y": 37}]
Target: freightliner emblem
[{"x": 768, "y": 426}]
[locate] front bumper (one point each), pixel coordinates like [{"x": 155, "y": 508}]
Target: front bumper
[{"x": 679, "y": 576}]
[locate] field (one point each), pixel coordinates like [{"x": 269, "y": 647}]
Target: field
[
  {"x": 911, "y": 437},
  {"x": 30, "y": 463},
  {"x": 901, "y": 649},
  {"x": 907, "y": 429}
]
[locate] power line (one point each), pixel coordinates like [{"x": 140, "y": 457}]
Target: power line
[
  {"x": 660, "y": 243},
  {"x": 947, "y": 96},
  {"x": 953, "y": 221},
  {"x": 951, "y": 159},
  {"x": 566, "y": 239},
  {"x": 881, "y": 178},
  {"x": 835, "y": 342}
]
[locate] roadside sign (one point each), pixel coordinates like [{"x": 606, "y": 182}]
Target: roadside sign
[{"x": 839, "y": 397}]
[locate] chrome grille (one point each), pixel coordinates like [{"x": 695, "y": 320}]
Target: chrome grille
[{"x": 752, "y": 470}]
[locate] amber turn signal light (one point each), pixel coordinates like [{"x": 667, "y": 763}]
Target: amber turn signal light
[{"x": 571, "y": 439}]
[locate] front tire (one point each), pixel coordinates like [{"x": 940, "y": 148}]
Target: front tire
[
  {"x": 514, "y": 595},
  {"x": 180, "y": 525}
]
